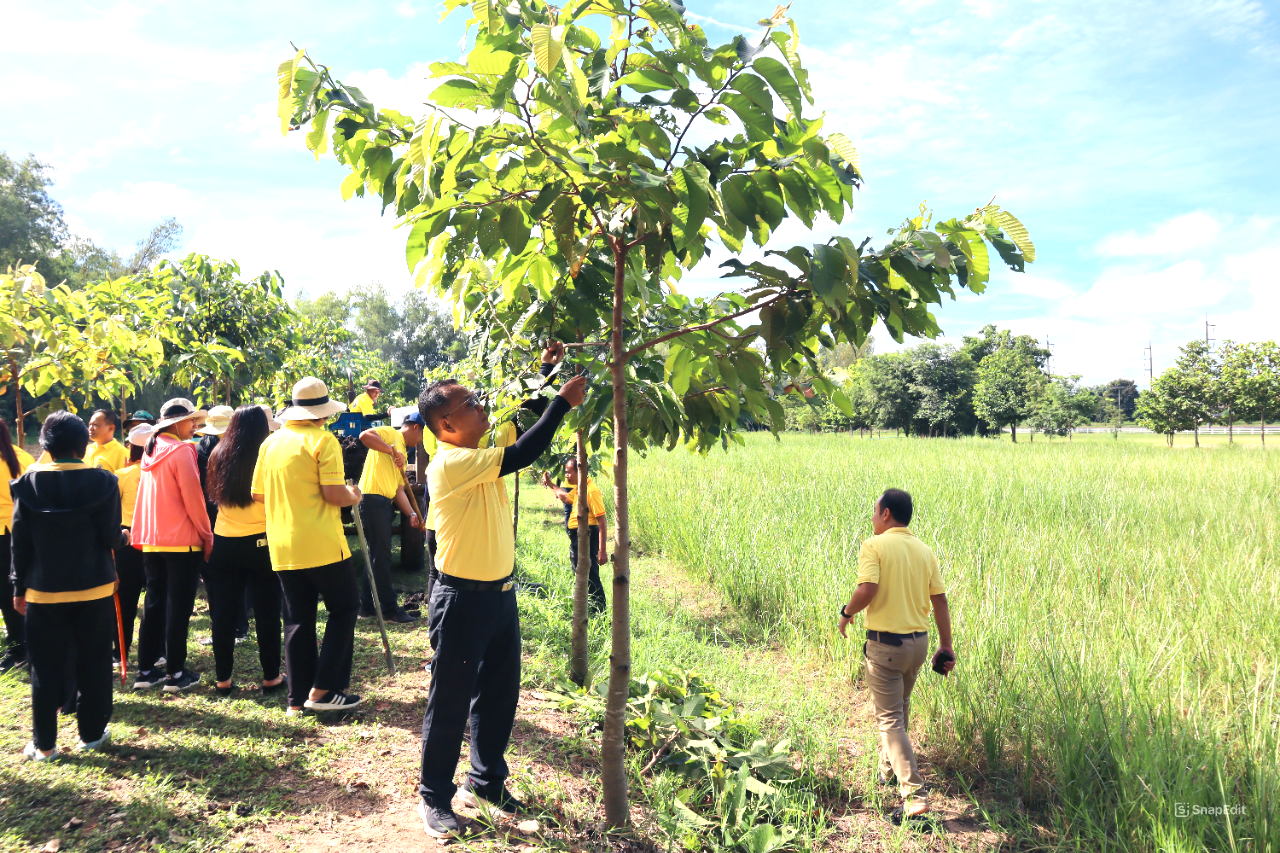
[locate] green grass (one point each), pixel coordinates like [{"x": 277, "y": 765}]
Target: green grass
[{"x": 1115, "y": 605}]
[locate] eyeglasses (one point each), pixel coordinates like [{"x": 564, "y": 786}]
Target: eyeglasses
[{"x": 473, "y": 401}]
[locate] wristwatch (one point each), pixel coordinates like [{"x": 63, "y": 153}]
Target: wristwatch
[{"x": 844, "y": 615}]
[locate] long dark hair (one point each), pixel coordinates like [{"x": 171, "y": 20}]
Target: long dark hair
[
  {"x": 6, "y": 451},
  {"x": 232, "y": 461}
]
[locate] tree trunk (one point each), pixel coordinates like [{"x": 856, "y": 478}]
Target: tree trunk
[
  {"x": 1013, "y": 431},
  {"x": 579, "y": 655},
  {"x": 613, "y": 770},
  {"x": 1197, "y": 432},
  {"x": 1264, "y": 424},
  {"x": 14, "y": 377},
  {"x": 1031, "y": 435},
  {"x": 1231, "y": 425},
  {"x": 515, "y": 508}
]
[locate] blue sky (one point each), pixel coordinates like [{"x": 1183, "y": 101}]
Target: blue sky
[{"x": 1137, "y": 141}]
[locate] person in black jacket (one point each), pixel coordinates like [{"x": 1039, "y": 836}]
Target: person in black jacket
[{"x": 66, "y": 521}]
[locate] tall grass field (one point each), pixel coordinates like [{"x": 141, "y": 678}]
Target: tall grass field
[{"x": 1116, "y": 607}]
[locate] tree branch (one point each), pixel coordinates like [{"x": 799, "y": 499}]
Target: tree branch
[{"x": 701, "y": 327}]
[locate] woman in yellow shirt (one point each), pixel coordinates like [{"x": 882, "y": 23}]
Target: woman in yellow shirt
[
  {"x": 14, "y": 461},
  {"x": 241, "y": 560}
]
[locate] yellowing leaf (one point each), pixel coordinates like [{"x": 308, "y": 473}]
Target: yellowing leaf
[
  {"x": 840, "y": 144},
  {"x": 548, "y": 44},
  {"x": 1017, "y": 232}
]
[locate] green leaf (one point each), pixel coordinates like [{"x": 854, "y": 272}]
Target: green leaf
[
  {"x": 546, "y": 196},
  {"x": 515, "y": 228},
  {"x": 827, "y": 274},
  {"x": 755, "y": 89},
  {"x": 483, "y": 10},
  {"x": 841, "y": 400},
  {"x": 548, "y": 44},
  {"x": 748, "y": 112},
  {"x": 692, "y": 209},
  {"x": 780, "y": 79},
  {"x": 679, "y": 370},
  {"x": 650, "y": 79},
  {"x": 542, "y": 275},
  {"x": 462, "y": 94},
  {"x": 652, "y": 137},
  {"x": 1017, "y": 232},
  {"x": 789, "y": 48},
  {"x": 840, "y": 144},
  {"x": 742, "y": 209},
  {"x": 316, "y": 137}
]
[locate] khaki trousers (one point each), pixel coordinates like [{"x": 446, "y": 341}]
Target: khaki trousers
[{"x": 890, "y": 675}]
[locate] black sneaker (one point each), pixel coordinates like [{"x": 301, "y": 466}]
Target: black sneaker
[
  {"x": 182, "y": 683},
  {"x": 365, "y": 614},
  {"x": 507, "y": 805},
  {"x": 225, "y": 692},
  {"x": 335, "y": 700},
  {"x": 438, "y": 823},
  {"x": 147, "y": 680},
  {"x": 402, "y": 616},
  {"x": 11, "y": 661}
]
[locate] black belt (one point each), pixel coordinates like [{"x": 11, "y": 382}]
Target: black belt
[
  {"x": 476, "y": 586},
  {"x": 891, "y": 639}
]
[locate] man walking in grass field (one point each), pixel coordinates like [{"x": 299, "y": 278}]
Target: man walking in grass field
[{"x": 898, "y": 581}]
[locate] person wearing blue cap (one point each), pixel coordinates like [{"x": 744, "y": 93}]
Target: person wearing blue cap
[{"x": 382, "y": 484}]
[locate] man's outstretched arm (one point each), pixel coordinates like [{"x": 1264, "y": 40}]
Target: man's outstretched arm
[{"x": 535, "y": 441}]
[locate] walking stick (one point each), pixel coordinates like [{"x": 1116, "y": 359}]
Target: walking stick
[
  {"x": 124, "y": 652},
  {"x": 373, "y": 585}
]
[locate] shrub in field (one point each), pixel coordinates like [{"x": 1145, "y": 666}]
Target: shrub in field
[{"x": 577, "y": 164}]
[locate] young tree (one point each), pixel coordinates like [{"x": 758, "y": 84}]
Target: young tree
[
  {"x": 589, "y": 179},
  {"x": 1161, "y": 409},
  {"x": 1061, "y": 406},
  {"x": 1007, "y": 381},
  {"x": 1260, "y": 385},
  {"x": 1200, "y": 385},
  {"x": 942, "y": 378}
]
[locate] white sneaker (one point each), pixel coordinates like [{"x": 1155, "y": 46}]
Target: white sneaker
[
  {"x": 97, "y": 745},
  {"x": 35, "y": 755}
]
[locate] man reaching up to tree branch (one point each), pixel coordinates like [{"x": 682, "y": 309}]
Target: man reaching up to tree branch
[
  {"x": 898, "y": 581},
  {"x": 474, "y": 624}
]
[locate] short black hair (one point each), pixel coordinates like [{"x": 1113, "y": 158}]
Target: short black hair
[
  {"x": 898, "y": 502},
  {"x": 109, "y": 416},
  {"x": 63, "y": 434},
  {"x": 433, "y": 400}
]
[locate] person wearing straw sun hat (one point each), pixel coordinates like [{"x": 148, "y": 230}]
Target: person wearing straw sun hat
[
  {"x": 216, "y": 423},
  {"x": 171, "y": 526},
  {"x": 299, "y": 477}
]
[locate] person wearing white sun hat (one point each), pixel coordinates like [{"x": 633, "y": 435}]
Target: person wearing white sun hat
[
  {"x": 129, "y": 569},
  {"x": 299, "y": 477},
  {"x": 215, "y": 424},
  {"x": 171, "y": 526}
]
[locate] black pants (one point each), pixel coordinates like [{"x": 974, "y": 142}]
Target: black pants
[
  {"x": 596, "y": 601},
  {"x": 241, "y": 565},
  {"x": 330, "y": 669},
  {"x": 75, "y": 635},
  {"x": 375, "y": 515},
  {"x": 475, "y": 672},
  {"x": 172, "y": 577},
  {"x": 15, "y": 641},
  {"x": 133, "y": 580}
]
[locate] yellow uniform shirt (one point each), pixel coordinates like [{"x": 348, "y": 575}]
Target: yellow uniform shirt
[
  {"x": 303, "y": 531},
  {"x": 6, "y": 499},
  {"x": 907, "y": 572},
  {"x": 506, "y": 436},
  {"x": 380, "y": 476},
  {"x": 595, "y": 505},
  {"x": 363, "y": 404},
  {"x": 474, "y": 539},
  {"x": 111, "y": 456},
  {"x": 127, "y": 478},
  {"x": 234, "y": 521}
]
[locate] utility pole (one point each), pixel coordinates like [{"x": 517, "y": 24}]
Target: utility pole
[
  {"x": 1150, "y": 364},
  {"x": 1049, "y": 347},
  {"x": 1208, "y": 342}
]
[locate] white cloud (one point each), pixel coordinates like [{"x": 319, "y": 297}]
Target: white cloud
[
  {"x": 1178, "y": 236},
  {"x": 1039, "y": 287}
]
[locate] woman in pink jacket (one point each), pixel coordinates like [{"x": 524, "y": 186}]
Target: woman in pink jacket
[{"x": 171, "y": 527}]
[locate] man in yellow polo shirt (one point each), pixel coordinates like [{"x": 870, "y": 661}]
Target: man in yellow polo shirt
[
  {"x": 382, "y": 484},
  {"x": 299, "y": 476},
  {"x": 475, "y": 626},
  {"x": 898, "y": 582},
  {"x": 366, "y": 403},
  {"x": 596, "y": 533},
  {"x": 104, "y": 451}
]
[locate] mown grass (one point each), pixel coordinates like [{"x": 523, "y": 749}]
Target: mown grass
[{"x": 1115, "y": 605}]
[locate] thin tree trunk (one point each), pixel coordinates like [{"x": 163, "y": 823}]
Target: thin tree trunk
[
  {"x": 1013, "y": 431},
  {"x": 1264, "y": 424},
  {"x": 1197, "y": 432},
  {"x": 578, "y": 651},
  {"x": 515, "y": 508},
  {"x": 14, "y": 377},
  {"x": 613, "y": 771},
  {"x": 1231, "y": 425}
]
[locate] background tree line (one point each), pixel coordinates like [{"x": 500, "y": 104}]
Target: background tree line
[
  {"x": 1239, "y": 382},
  {"x": 82, "y": 325}
]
